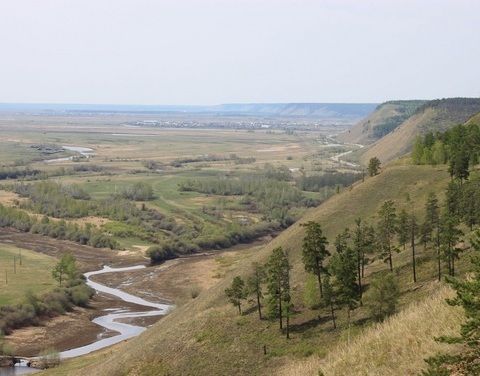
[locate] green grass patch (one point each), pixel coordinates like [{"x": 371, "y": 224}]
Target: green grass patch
[{"x": 33, "y": 274}]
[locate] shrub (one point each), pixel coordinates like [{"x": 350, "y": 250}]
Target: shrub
[
  {"x": 49, "y": 358},
  {"x": 140, "y": 191},
  {"x": 382, "y": 296}
]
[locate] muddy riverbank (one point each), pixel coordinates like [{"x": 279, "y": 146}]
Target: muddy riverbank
[{"x": 176, "y": 281}]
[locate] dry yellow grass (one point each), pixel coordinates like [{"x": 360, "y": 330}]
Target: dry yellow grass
[
  {"x": 396, "y": 347},
  {"x": 398, "y": 142},
  {"x": 362, "y": 133},
  {"x": 474, "y": 119}
]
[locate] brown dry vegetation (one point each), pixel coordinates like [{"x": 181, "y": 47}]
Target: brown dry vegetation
[{"x": 397, "y": 346}]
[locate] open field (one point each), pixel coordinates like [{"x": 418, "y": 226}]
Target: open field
[
  {"x": 122, "y": 155},
  {"x": 33, "y": 273}
]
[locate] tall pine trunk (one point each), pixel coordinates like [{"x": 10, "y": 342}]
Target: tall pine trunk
[
  {"x": 363, "y": 265},
  {"x": 288, "y": 321},
  {"x": 359, "y": 272},
  {"x": 438, "y": 254},
  {"x": 413, "y": 256},
  {"x": 280, "y": 313},
  {"x": 333, "y": 315},
  {"x": 348, "y": 315},
  {"x": 319, "y": 277},
  {"x": 258, "y": 305}
]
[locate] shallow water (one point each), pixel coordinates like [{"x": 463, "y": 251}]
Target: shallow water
[
  {"x": 108, "y": 321},
  {"x": 85, "y": 152}
]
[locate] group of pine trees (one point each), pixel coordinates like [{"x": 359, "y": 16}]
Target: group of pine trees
[
  {"x": 273, "y": 278},
  {"x": 339, "y": 271}
]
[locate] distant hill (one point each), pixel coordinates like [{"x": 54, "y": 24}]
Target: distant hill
[
  {"x": 324, "y": 110},
  {"x": 436, "y": 115},
  {"x": 347, "y": 111},
  {"x": 383, "y": 120}
]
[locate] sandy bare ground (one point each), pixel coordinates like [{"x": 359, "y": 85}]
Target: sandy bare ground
[{"x": 74, "y": 329}]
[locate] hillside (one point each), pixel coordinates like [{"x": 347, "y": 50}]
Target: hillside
[
  {"x": 383, "y": 120},
  {"x": 415, "y": 328},
  {"x": 436, "y": 115},
  {"x": 475, "y": 119},
  {"x": 206, "y": 336}
]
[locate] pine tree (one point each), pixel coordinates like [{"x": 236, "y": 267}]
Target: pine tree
[
  {"x": 453, "y": 198},
  {"x": 459, "y": 165},
  {"x": 449, "y": 237},
  {"x": 387, "y": 228},
  {"x": 370, "y": 245},
  {"x": 254, "y": 285},
  {"x": 431, "y": 227},
  {"x": 373, "y": 166},
  {"x": 359, "y": 246},
  {"x": 341, "y": 241},
  {"x": 278, "y": 286},
  {"x": 413, "y": 232},
  {"x": 236, "y": 293},
  {"x": 403, "y": 228},
  {"x": 382, "y": 296},
  {"x": 344, "y": 268},
  {"x": 314, "y": 251},
  {"x": 467, "y": 297},
  {"x": 286, "y": 293},
  {"x": 329, "y": 298}
]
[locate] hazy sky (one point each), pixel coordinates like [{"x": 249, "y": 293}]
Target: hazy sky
[{"x": 218, "y": 51}]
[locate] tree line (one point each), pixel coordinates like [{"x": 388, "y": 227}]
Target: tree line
[
  {"x": 273, "y": 198},
  {"x": 458, "y": 146},
  {"x": 314, "y": 183},
  {"x": 85, "y": 235}
]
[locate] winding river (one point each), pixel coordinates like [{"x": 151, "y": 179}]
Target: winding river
[{"x": 108, "y": 321}]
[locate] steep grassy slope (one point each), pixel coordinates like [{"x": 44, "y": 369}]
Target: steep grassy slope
[
  {"x": 475, "y": 119},
  {"x": 435, "y": 115},
  {"x": 206, "y": 337},
  {"x": 383, "y": 120},
  {"x": 397, "y": 346}
]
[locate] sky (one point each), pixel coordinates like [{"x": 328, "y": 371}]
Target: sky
[{"x": 237, "y": 51}]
